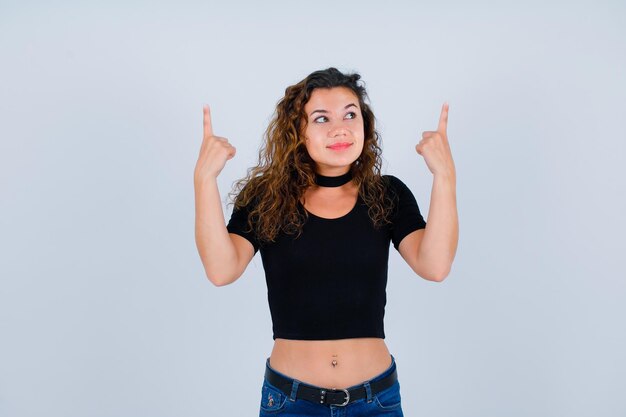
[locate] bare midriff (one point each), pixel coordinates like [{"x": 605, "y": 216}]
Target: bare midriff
[{"x": 337, "y": 364}]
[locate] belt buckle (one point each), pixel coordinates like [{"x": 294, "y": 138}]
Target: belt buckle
[
  {"x": 346, "y": 401},
  {"x": 347, "y": 398}
]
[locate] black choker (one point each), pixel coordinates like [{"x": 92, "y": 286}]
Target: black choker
[{"x": 324, "y": 181}]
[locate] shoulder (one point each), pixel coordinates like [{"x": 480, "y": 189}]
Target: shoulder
[
  {"x": 391, "y": 180},
  {"x": 394, "y": 185}
]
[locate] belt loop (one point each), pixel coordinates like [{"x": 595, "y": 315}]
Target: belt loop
[
  {"x": 294, "y": 390},
  {"x": 368, "y": 391}
]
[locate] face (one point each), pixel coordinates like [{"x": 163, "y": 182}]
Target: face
[{"x": 334, "y": 135}]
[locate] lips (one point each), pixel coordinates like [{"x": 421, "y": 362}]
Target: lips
[{"x": 340, "y": 145}]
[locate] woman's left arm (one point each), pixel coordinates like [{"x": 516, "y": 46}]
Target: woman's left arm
[{"x": 439, "y": 242}]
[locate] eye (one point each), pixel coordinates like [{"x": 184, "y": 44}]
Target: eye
[{"x": 324, "y": 117}]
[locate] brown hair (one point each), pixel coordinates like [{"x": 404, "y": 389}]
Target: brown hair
[{"x": 285, "y": 169}]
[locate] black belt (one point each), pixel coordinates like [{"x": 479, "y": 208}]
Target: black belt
[{"x": 329, "y": 396}]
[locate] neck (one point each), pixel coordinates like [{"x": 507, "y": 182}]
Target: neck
[{"x": 334, "y": 181}]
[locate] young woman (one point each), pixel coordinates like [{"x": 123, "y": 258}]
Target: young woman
[{"x": 323, "y": 217}]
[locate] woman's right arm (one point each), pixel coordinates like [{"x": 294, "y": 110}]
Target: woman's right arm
[{"x": 224, "y": 256}]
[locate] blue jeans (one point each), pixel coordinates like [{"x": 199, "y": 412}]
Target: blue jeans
[{"x": 274, "y": 402}]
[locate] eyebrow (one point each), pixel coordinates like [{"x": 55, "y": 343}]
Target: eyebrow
[{"x": 324, "y": 111}]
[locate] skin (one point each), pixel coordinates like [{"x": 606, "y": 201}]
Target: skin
[
  {"x": 429, "y": 252},
  {"x": 333, "y": 116}
]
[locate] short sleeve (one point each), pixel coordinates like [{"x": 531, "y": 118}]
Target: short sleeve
[
  {"x": 238, "y": 224},
  {"x": 406, "y": 215}
]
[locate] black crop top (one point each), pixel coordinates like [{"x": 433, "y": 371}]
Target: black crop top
[{"x": 330, "y": 282}]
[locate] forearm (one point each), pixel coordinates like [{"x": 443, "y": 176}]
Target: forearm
[
  {"x": 438, "y": 246},
  {"x": 215, "y": 247}
]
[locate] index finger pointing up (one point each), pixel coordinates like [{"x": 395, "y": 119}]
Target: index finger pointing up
[
  {"x": 443, "y": 119},
  {"x": 208, "y": 128}
]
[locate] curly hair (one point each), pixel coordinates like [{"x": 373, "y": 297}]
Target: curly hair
[{"x": 285, "y": 170}]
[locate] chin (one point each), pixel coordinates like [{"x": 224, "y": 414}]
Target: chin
[{"x": 341, "y": 162}]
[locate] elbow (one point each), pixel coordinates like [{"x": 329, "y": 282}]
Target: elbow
[
  {"x": 220, "y": 280},
  {"x": 433, "y": 278},
  {"x": 220, "y": 274},
  {"x": 441, "y": 275},
  {"x": 217, "y": 283},
  {"x": 434, "y": 268},
  {"x": 435, "y": 275},
  {"x": 438, "y": 278}
]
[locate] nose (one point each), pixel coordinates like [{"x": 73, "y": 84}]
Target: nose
[{"x": 338, "y": 130}]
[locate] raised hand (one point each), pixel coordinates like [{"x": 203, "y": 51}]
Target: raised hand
[
  {"x": 435, "y": 149},
  {"x": 214, "y": 152}
]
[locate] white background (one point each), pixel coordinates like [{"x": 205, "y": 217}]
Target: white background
[{"x": 105, "y": 309}]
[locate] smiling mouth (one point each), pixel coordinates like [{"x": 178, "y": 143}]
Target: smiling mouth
[{"x": 342, "y": 145}]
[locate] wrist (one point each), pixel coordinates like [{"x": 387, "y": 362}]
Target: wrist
[
  {"x": 449, "y": 176},
  {"x": 204, "y": 180}
]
